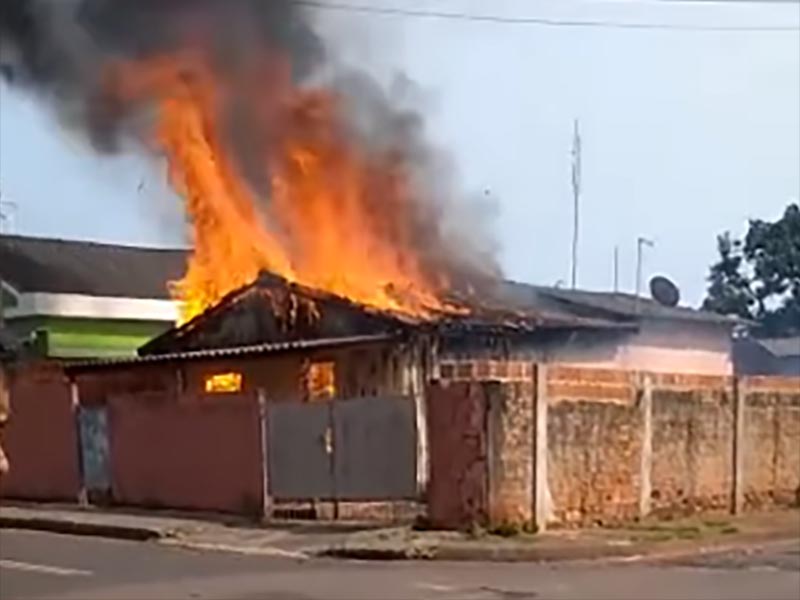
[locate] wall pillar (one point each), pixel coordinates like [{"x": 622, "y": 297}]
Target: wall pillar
[
  {"x": 75, "y": 400},
  {"x": 540, "y": 451},
  {"x": 417, "y": 389},
  {"x": 263, "y": 435},
  {"x": 739, "y": 397},
  {"x": 646, "y": 455}
]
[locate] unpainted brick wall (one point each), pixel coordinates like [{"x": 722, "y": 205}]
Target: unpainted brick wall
[
  {"x": 594, "y": 457},
  {"x": 771, "y": 446},
  {"x": 594, "y": 445},
  {"x": 692, "y": 467},
  {"x": 510, "y": 432},
  {"x": 485, "y": 370}
]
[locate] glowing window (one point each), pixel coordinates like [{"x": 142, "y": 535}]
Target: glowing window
[
  {"x": 223, "y": 383},
  {"x": 321, "y": 381}
]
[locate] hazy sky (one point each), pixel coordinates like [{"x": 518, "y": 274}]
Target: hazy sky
[{"x": 686, "y": 134}]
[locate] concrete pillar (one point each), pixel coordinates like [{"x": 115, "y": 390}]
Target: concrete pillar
[
  {"x": 739, "y": 397},
  {"x": 646, "y": 457},
  {"x": 264, "y": 435},
  {"x": 540, "y": 484},
  {"x": 74, "y": 395},
  {"x": 417, "y": 390}
]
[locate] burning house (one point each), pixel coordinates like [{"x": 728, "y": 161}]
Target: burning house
[{"x": 336, "y": 275}]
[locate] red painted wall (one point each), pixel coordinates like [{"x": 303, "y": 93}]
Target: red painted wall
[
  {"x": 458, "y": 487},
  {"x": 188, "y": 453},
  {"x": 40, "y": 438}
]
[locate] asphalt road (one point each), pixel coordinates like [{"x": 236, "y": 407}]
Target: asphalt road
[{"x": 41, "y": 565}]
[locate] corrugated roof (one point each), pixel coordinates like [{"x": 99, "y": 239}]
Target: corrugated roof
[
  {"x": 239, "y": 351},
  {"x": 782, "y": 347},
  {"x": 31, "y": 264},
  {"x": 613, "y": 306}
]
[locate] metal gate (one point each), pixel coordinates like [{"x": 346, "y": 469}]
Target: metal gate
[
  {"x": 357, "y": 449},
  {"x": 94, "y": 449}
]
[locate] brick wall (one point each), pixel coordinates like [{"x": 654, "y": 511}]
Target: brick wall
[
  {"x": 620, "y": 444},
  {"x": 594, "y": 457},
  {"x": 771, "y": 443},
  {"x": 692, "y": 467},
  {"x": 95, "y": 388},
  {"x": 510, "y": 447},
  {"x": 458, "y": 487},
  {"x": 40, "y": 438},
  {"x": 189, "y": 453},
  {"x": 485, "y": 370}
]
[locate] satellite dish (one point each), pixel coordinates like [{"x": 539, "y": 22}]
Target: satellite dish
[{"x": 664, "y": 291}]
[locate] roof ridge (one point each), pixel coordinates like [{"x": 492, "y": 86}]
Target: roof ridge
[{"x": 84, "y": 242}]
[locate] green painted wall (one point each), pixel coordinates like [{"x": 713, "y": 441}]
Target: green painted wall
[{"x": 88, "y": 338}]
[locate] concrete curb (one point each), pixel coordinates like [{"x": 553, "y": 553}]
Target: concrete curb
[
  {"x": 476, "y": 554},
  {"x": 620, "y": 554},
  {"x": 83, "y": 528},
  {"x": 232, "y": 549}
]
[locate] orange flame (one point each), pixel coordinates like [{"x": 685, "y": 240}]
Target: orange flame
[{"x": 337, "y": 218}]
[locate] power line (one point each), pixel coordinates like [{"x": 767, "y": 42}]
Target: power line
[
  {"x": 795, "y": 2},
  {"x": 540, "y": 21}
]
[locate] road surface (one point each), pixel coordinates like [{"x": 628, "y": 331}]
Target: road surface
[{"x": 40, "y": 565}]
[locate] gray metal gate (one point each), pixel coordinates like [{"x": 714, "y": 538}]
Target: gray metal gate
[
  {"x": 94, "y": 450},
  {"x": 356, "y": 449}
]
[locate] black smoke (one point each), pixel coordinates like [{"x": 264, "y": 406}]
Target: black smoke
[{"x": 58, "y": 50}]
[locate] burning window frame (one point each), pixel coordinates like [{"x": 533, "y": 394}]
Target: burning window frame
[
  {"x": 230, "y": 382},
  {"x": 320, "y": 380}
]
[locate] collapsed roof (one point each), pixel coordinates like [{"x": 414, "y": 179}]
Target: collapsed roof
[{"x": 272, "y": 309}]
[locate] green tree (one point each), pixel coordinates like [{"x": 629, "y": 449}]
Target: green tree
[
  {"x": 759, "y": 278},
  {"x": 729, "y": 290}
]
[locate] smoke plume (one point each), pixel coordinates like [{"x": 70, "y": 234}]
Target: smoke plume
[{"x": 65, "y": 52}]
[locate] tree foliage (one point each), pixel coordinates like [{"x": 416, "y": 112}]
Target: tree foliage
[{"x": 758, "y": 278}]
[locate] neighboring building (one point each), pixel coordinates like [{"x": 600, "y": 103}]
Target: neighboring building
[
  {"x": 772, "y": 356},
  {"x": 76, "y": 299},
  {"x": 656, "y": 338}
]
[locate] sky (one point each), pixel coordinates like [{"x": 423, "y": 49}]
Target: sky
[{"x": 686, "y": 134}]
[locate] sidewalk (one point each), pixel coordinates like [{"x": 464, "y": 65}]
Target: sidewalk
[
  {"x": 202, "y": 531},
  {"x": 302, "y": 540},
  {"x": 645, "y": 540}
]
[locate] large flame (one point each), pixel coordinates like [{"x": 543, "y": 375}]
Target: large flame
[{"x": 336, "y": 216}]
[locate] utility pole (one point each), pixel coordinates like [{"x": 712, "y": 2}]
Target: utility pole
[
  {"x": 576, "y": 193},
  {"x": 640, "y": 244},
  {"x": 616, "y": 269}
]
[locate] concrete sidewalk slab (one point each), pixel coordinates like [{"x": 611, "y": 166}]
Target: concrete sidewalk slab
[
  {"x": 307, "y": 539},
  {"x": 639, "y": 541},
  {"x": 78, "y": 521},
  {"x": 290, "y": 539}
]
